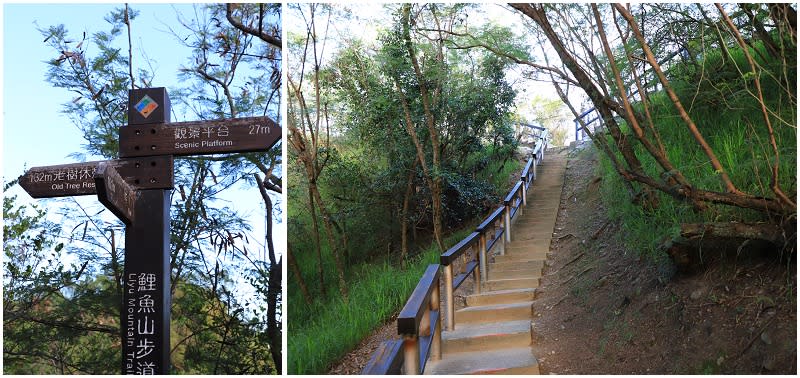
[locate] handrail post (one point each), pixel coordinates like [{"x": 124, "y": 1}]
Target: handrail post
[
  {"x": 411, "y": 354},
  {"x": 577, "y": 127},
  {"x": 477, "y": 275},
  {"x": 503, "y": 239},
  {"x": 450, "y": 322},
  {"x": 544, "y": 146},
  {"x": 482, "y": 259},
  {"x": 524, "y": 190},
  {"x": 436, "y": 342},
  {"x": 507, "y": 221},
  {"x": 535, "y": 163}
]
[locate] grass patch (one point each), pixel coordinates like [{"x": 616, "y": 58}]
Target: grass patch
[
  {"x": 338, "y": 326},
  {"x": 500, "y": 173},
  {"x": 731, "y": 121}
]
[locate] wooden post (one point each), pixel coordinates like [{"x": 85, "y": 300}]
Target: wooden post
[
  {"x": 146, "y": 298},
  {"x": 411, "y": 354},
  {"x": 436, "y": 341},
  {"x": 450, "y": 322},
  {"x": 479, "y": 274},
  {"x": 503, "y": 239},
  {"x": 482, "y": 258},
  {"x": 115, "y": 193},
  {"x": 507, "y": 223},
  {"x": 525, "y": 190}
]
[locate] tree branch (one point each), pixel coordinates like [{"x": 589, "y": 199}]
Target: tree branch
[{"x": 260, "y": 33}]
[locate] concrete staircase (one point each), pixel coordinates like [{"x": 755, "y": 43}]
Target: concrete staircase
[{"x": 493, "y": 332}]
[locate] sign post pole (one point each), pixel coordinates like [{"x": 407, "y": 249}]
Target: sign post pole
[{"x": 146, "y": 299}]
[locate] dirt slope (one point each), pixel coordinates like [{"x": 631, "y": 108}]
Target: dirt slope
[{"x": 604, "y": 310}]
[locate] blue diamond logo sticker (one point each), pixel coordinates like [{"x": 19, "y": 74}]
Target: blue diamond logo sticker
[{"x": 146, "y": 106}]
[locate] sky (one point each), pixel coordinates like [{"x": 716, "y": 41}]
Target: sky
[{"x": 36, "y": 133}]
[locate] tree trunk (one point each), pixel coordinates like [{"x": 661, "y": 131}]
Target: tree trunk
[
  {"x": 436, "y": 188},
  {"x": 759, "y": 231},
  {"x": 296, "y": 271},
  {"x": 334, "y": 244},
  {"x": 274, "y": 275},
  {"x": 601, "y": 103},
  {"x": 404, "y": 214},
  {"x": 666, "y": 165},
  {"x": 702, "y": 244},
  {"x": 317, "y": 248},
  {"x": 712, "y": 157}
]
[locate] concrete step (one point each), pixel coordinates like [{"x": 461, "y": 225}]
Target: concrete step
[
  {"x": 522, "y": 235},
  {"x": 555, "y": 184},
  {"x": 512, "y": 283},
  {"x": 494, "y": 313},
  {"x": 537, "y": 205},
  {"x": 501, "y": 297},
  {"x": 544, "y": 192},
  {"x": 538, "y": 200},
  {"x": 486, "y": 336},
  {"x": 527, "y": 245},
  {"x": 539, "y": 224},
  {"x": 521, "y": 257},
  {"x": 533, "y": 216},
  {"x": 514, "y": 273},
  {"x": 512, "y": 265},
  {"x": 498, "y": 361},
  {"x": 532, "y": 213}
]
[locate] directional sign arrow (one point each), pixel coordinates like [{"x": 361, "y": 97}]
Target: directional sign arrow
[
  {"x": 78, "y": 179},
  {"x": 199, "y": 137},
  {"x": 114, "y": 192}
]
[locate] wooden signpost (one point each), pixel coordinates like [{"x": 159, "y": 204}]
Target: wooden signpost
[
  {"x": 115, "y": 193},
  {"x": 77, "y": 179},
  {"x": 137, "y": 189},
  {"x": 197, "y": 138}
]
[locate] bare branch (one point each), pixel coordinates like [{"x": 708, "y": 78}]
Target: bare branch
[{"x": 260, "y": 33}]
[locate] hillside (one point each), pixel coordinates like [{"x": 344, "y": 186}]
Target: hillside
[{"x": 615, "y": 311}]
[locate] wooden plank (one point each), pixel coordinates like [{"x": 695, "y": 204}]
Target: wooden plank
[
  {"x": 386, "y": 360},
  {"x": 199, "y": 137},
  {"x": 426, "y": 342},
  {"x": 459, "y": 279},
  {"x": 490, "y": 219},
  {"x": 78, "y": 178},
  {"x": 411, "y": 314},
  {"x": 513, "y": 192},
  {"x": 497, "y": 235},
  {"x": 525, "y": 172},
  {"x": 457, "y": 250},
  {"x": 114, "y": 192}
]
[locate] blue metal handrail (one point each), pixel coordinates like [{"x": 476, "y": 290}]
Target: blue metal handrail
[{"x": 634, "y": 93}]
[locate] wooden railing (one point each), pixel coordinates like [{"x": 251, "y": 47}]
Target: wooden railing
[
  {"x": 419, "y": 322},
  {"x": 491, "y": 231},
  {"x": 470, "y": 263}
]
